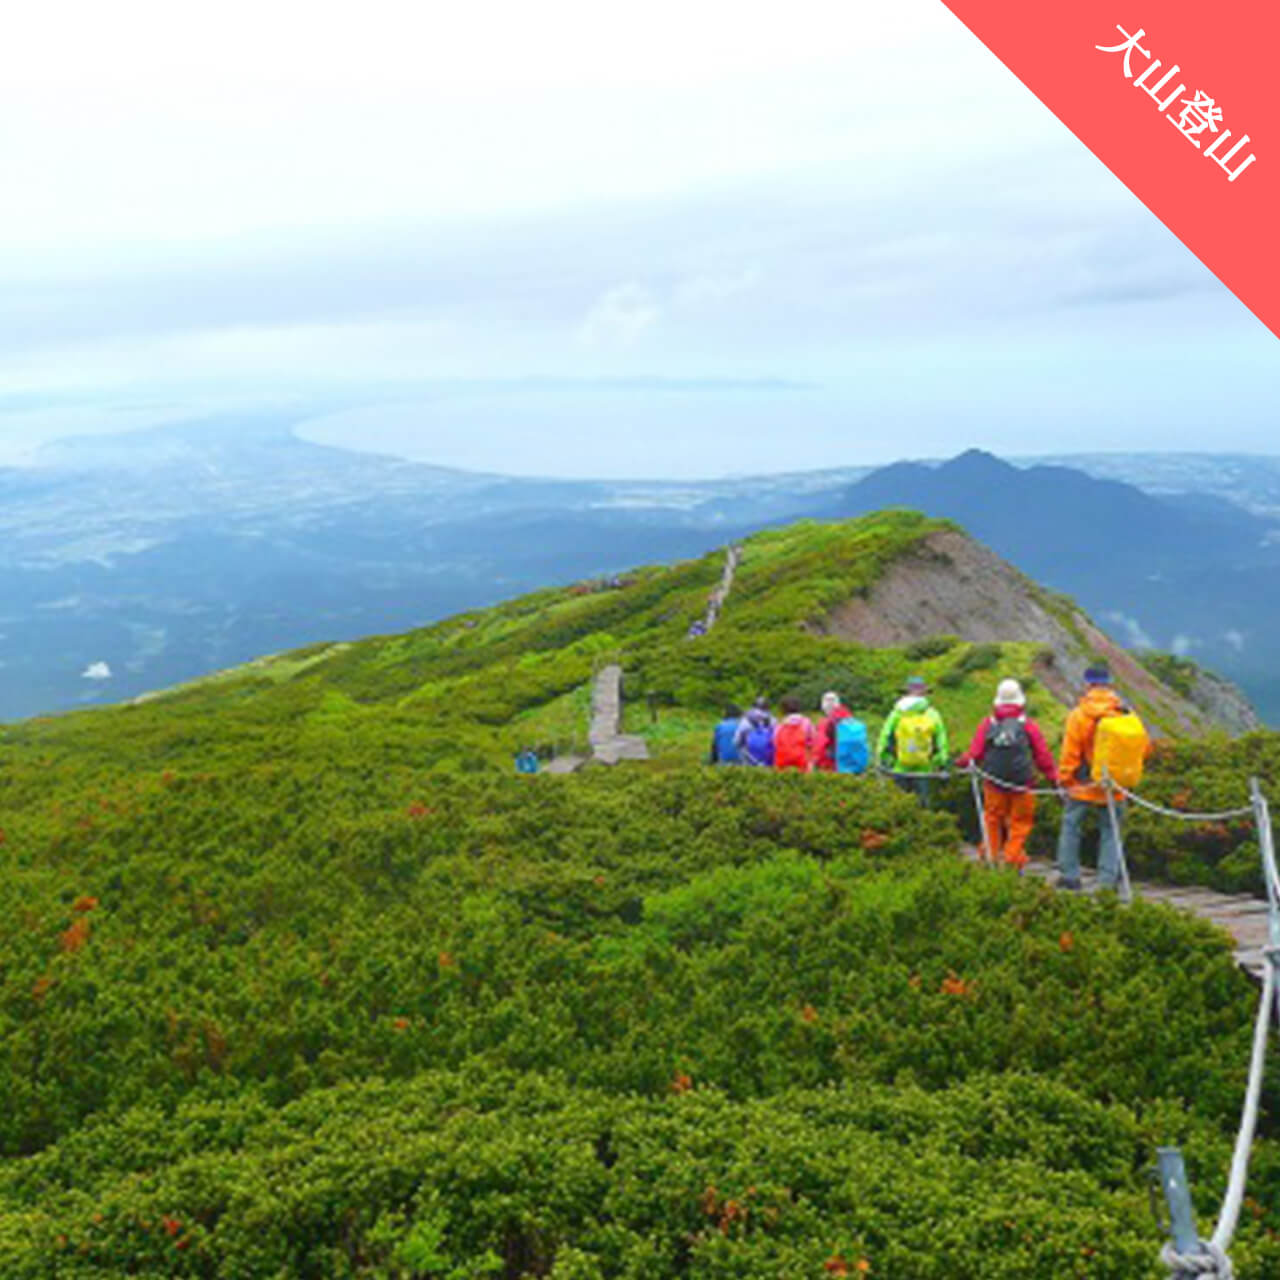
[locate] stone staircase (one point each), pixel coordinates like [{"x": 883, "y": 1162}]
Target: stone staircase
[{"x": 609, "y": 744}]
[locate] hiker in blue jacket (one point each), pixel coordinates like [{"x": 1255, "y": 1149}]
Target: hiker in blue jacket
[{"x": 724, "y": 738}]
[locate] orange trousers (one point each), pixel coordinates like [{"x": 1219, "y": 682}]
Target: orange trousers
[{"x": 1010, "y": 816}]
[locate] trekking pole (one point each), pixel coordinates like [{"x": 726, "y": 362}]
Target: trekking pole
[
  {"x": 981, "y": 808},
  {"x": 1126, "y": 887}
]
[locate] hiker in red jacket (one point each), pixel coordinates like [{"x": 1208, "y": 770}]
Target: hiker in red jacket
[
  {"x": 795, "y": 739},
  {"x": 1009, "y": 747},
  {"x": 833, "y": 711}
]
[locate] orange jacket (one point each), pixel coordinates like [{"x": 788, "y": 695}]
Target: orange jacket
[{"x": 1077, "y": 742}]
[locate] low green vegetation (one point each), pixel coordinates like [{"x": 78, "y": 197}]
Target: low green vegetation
[
  {"x": 1178, "y": 673},
  {"x": 298, "y": 979},
  {"x": 322, "y": 1023}
]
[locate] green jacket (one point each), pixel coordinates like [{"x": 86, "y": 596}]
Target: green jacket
[{"x": 887, "y": 745}]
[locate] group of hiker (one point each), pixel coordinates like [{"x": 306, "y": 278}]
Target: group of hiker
[{"x": 1104, "y": 741}]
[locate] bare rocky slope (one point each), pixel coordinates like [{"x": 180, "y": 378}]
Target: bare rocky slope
[{"x": 948, "y": 584}]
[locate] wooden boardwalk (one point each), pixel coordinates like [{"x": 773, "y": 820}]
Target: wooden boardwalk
[{"x": 1245, "y": 918}]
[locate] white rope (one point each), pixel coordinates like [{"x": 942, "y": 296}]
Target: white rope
[
  {"x": 1212, "y": 1262},
  {"x": 1013, "y": 786},
  {"x": 1224, "y": 816},
  {"x": 1230, "y": 1214},
  {"x": 1211, "y": 1259},
  {"x": 1266, "y": 843},
  {"x": 1061, "y": 793}
]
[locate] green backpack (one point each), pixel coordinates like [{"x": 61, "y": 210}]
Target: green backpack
[{"x": 913, "y": 740}]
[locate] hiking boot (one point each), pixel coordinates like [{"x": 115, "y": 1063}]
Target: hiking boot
[{"x": 1065, "y": 882}]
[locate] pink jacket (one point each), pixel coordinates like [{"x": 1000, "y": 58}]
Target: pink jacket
[{"x": 827, "y": 737}]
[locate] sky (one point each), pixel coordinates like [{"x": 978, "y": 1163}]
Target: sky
[{"x": 678, "y": 239}]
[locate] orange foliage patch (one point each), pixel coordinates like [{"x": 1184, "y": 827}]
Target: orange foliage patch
[
  {"x": 681, "y": 1083},
  {"x": 41, "y": 987},
  {"x": 954, "y": 986},
  {"x": 445, "y": 960},
  {"x": 1066, "y": 942},
  {"x": 874, "y": 839},
  {"x": 76, "y": 936},
  {"x": 401, "y": 1024},
  {"x": 731, "y": 1213},
  {"x": 809, "y": 1014},
  {"x": 84, "y": 903}
]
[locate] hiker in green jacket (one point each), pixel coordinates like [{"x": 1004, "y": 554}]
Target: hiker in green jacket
[{"x": 913, "y": 741}]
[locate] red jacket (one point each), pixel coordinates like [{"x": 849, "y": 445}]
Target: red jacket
[
  {"x": 827, "y": 737},
  {"x": 1039, "y": 748},
  {"x": 810, "y": 737}
]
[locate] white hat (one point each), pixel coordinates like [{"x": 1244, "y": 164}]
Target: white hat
[
  {"x": 1010, "y": 694},
  {"x": 830, "y": 701}
]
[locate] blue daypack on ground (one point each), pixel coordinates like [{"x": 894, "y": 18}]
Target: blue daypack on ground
[{"x": 853, "y": 751}]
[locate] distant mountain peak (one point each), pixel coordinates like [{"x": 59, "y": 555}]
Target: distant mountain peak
[{"x": 977, "y": 462}]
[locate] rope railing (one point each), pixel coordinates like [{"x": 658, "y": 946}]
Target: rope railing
[
  {"x": 1187, "y": 1256},
  {"x": 1224, "y": 815},
  {"x": 939, "y": 775}
]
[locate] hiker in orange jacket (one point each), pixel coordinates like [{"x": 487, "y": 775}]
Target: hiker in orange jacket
[
  {"x": 1084, "y": 796},
  {"x": 1009, "y": 747},
  {"x": 795, "y": 738}
]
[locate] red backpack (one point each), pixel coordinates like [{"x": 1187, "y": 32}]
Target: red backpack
[{"x": 791, "y": 744}]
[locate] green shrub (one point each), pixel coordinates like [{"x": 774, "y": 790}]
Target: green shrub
[{"x": 931, "y": 647}]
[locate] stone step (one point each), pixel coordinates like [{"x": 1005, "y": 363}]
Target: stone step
[{"x": 565, "y": 764}]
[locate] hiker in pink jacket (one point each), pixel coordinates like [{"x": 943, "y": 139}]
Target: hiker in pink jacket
[{"x": 1009, "y": 747}]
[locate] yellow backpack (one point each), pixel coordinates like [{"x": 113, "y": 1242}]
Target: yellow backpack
[
  {"x": 1119, "y": 750},
  {"x": 913, "y": 741}
]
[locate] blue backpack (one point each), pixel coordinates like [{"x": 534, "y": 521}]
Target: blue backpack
[
  {"x": 759, "y": 745},
  {"x": 853, "y": 751},
  {"x": 726, "y": 742}
]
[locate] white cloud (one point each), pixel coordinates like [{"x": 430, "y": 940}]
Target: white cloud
[
  {"x": 1183, "y": 644},
  {"x": 620, "y": 316},
  {"x": 1133, "y": 634},
  {"x": 96, "y": 671},
  {"x": 1235, "y": 639}
]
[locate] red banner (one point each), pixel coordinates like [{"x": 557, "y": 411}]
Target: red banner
[{"x": 1179, "y": 100}]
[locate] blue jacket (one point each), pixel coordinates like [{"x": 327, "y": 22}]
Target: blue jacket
[{"x": 724, "y": 742}]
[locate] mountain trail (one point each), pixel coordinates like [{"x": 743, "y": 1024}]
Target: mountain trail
[{"x": 732, "y": 558}]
